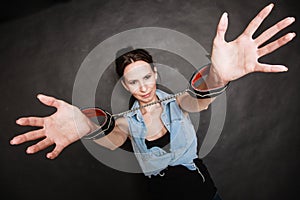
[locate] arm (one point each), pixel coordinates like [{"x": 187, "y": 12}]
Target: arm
[{"x": 233, "y": 60}]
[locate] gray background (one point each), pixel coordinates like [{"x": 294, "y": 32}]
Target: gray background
[{"x": 42, "y": 45}]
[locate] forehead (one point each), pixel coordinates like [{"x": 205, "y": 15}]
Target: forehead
[{"x": 137, "y": 70}]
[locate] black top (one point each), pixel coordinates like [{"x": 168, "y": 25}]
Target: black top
[{"x": 162, "y": 142}]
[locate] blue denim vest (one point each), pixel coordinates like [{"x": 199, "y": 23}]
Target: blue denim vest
[{"x": 183, "y": 140}]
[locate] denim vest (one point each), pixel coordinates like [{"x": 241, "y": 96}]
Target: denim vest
[{"x": 183, "y": 140}]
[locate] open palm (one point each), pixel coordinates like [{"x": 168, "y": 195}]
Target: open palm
[
  {"x": 232, "y": 60},
  {"x": 67, "y": 125}
]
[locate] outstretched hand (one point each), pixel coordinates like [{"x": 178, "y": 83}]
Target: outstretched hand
[
  {"x": 232, "y": 60},
  {"x": 67, "y": 125}
]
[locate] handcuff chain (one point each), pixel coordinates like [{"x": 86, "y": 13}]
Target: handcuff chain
[{"x": 152, "y": 103}]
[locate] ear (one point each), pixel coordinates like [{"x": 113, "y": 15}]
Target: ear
[
  {"x": 155, "y": 72},
  {"x": 124, "y": 85}
]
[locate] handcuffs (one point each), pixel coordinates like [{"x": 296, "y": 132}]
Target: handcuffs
[{"x": 109, "y": 119}]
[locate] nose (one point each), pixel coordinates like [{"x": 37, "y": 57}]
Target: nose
[{"x": 143, "y": 87}]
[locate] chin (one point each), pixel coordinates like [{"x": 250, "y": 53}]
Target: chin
[{"x": 148, "y": 99}]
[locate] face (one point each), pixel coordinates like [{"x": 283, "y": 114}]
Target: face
[{"x": 140, "y": 81}]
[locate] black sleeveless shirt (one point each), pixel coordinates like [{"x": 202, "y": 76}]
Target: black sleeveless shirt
[{"x": 162, "y": 142}]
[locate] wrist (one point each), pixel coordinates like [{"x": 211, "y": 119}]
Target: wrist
[
  {"x": 206, "y": 83},
  {"x": 103, "y": 125},
  {"x": 91, "y": 126},
  {"x": 214, "y": 79}
]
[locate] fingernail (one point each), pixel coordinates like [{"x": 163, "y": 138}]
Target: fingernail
[
  {"x": 29, "y": 151},
  {"x": 13, "y": 142},
  {"x": 19, "y": 121},
  {"x": 283, "y": 68},
  {"x": 292, "y": 19},
  {"x": 290, "y": 36}
]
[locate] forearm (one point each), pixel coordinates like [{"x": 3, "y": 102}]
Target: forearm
[
  {"x": 113, "y": 140},
  {"x": 192, "y": 104}
]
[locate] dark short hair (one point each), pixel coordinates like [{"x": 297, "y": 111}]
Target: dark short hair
[{"x": 133, "y": 55}]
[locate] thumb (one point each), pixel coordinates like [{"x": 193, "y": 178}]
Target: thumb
[
  {"x": 222, "y": 26},
  {"x": 48, "y": 100}
]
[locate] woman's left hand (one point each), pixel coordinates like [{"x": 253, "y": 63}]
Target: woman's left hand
[{"x": 232, "y": 60}]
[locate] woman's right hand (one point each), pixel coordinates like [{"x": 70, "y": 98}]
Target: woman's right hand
[{"x": 67, "y": 125}]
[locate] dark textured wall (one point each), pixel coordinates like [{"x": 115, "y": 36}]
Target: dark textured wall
[{"x": 42, "y": 45}]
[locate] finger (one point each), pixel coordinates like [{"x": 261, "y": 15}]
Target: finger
[
  {"x": 222, "y": 26},
  {"x": 31, "y": 121},
  {"x": 39, "y": 146},
  {"x": 256, "y": 21},
  {"x": 49, "y": 101},
  {"x": 266, "y": 35},
  {"x": 270, "y": 68},
  {"x": 56, "y": 151},
  {"x": 29, "y": 136},
  {"x": 275, "y": 44}
]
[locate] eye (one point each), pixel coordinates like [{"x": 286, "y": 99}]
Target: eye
[
  {"x": 132, "y": 82},
  {"x": 147, "y": 77}
]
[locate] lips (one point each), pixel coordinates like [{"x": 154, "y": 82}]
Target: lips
[{"x": 146, "y": 95}]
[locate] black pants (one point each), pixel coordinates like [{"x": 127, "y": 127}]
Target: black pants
[{"x": 182, "y": 183}]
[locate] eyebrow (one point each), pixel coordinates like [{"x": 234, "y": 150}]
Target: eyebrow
[{"x": 130, "y": 80}]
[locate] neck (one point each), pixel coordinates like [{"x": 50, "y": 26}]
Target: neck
[{"x": 149, "y": 109}]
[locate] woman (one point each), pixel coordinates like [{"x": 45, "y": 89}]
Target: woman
[{"x": 162, "y": 135}]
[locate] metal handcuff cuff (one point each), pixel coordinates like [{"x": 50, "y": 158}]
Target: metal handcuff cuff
[{"x": 109, "y": 119}]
